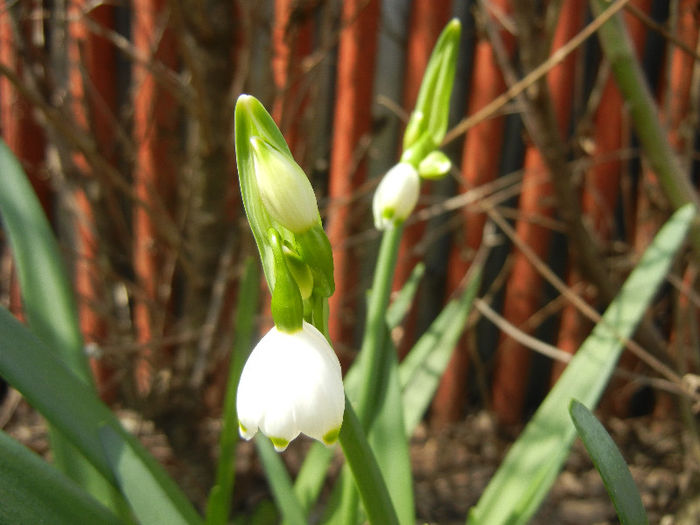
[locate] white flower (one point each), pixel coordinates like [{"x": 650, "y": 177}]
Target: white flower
[
  {"x": 396, "y": 196},
  {"x": 291, "y": 384},
  {"x": 284, "y": 188}
]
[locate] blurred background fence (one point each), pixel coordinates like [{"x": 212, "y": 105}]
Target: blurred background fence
[{"x": 121, "y": 113}]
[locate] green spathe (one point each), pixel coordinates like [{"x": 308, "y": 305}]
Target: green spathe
[
  {"x": 277, "y": 195},
  {"x": 428, "y": 122}
]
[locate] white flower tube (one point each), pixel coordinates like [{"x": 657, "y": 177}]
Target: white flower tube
[
  {"x": 396, "y": 196},
  {"x": 284, "y": 188},
  {"x": 291, "y": 384}
]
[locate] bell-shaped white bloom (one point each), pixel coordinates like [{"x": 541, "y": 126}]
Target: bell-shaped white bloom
[
  {"x": 291, "y": 384},
  {"x": 396, "y": 196},
  {"x": 284, "y": 188}
]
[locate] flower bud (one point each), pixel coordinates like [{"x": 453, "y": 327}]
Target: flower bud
[
  {"x": 284, "y": 188},
  {"x": 396, "y": 196},
  {"x": 291, "y": 384}
]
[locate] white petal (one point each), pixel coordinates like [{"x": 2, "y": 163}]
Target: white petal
[{"x": 291, "y": 383}]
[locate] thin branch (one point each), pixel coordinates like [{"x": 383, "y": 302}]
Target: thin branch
[{"x": 535, "y": 75}]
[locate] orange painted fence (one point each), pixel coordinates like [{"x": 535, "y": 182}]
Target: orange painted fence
[{"x": 138, "y": 171}]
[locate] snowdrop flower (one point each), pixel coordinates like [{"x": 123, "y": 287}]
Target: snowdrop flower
[
  {"x": 396, "y": 196},
  {"x": 284, "y": 188},
  {"x": 291, "y": 384}
]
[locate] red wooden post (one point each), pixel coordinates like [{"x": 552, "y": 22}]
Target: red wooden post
[
  {"x": 480, "y": 160},
  {"x": 601, "y": 188},
  {"x": 352, "y": 121},
  {"x": 524, "y": 287},
  {"x": 154, "y": 128},
  {"x": 19, "y": 130},
  {"x": 427, "y": 21},
  {"x": 93, "y": 93}
]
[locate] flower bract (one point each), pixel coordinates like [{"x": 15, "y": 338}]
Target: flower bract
[{"x": 291, "y": 384}]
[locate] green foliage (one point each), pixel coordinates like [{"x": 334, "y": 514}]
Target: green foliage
[
  {"x": 610, "y": 464},
  {"x": 74, "y": 409},
  {"x": 32, "y": 491},
  {"x": 533, "y": 462},
  {"x": 219, "y": 502}
]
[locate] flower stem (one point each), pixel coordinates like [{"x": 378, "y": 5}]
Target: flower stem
[
  {"x": 362, "y": 463},
  {"x": 375, "y": 327}
]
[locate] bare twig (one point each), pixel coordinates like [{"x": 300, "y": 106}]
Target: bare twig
[{"x": 535, "y": 75}]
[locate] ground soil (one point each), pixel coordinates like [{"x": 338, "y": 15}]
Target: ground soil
[{"x": 452, "y": 466}]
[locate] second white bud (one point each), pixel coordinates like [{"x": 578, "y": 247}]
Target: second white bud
[{"x": 396, "y": 196}]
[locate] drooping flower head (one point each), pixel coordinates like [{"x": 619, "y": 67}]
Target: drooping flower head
[{"x": 291, "y": 384}]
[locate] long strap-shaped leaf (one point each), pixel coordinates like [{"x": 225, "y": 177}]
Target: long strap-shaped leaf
[
  {"x": 33, "y": 491},
  {"x": 610, "y": 464},
  {"x": 534, "y": 460},
  {"x": 71, "y": 407},
  {"x": 46, "y": 294},
  {"x": 48, "y": 301}
]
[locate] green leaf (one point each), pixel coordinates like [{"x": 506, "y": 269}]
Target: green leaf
[
  {"x": 403, "y": 301},
  {"x": 610, "y": 464},
  {"x": 390, "y": 443},
  {"x": 71, "y": 406},
  {"x": 219, "y": 502},
  {"x": 280, "y": 483},
  {"x": 48, "y": 303},
  {"x": 35, "y": 492},
  {"x": 46, "y": 293},
  {"x": 147, "y": 497},
  {"x": 533, "y": 462},
  {"x": 420, "y": 372}
]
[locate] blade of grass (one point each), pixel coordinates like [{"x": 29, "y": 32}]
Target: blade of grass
[
  {"x": 32, "y": 490},
  {"x": 390, "y": 443},
  {"x": 421, "y": 371},
  {"x": 399, "y": 307},
  {"x": 146, "y": 496},
  {"x": 48, "y": 303},
  {"x": 533, "y": 462},
  {"x": 610, "y": 464},
  {"x": 71, "y": 406},
  {"x": 280, "y": 483},
  {"x": 219, "y": 502}
]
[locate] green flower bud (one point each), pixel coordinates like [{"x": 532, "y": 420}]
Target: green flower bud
[{"x": 434, "y": 166}]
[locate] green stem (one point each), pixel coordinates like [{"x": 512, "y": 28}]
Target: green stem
[
  {"x": 633, "y": 86},
  {"x": 375, "y": 328},
  {"x": 364, "y": 468}
]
